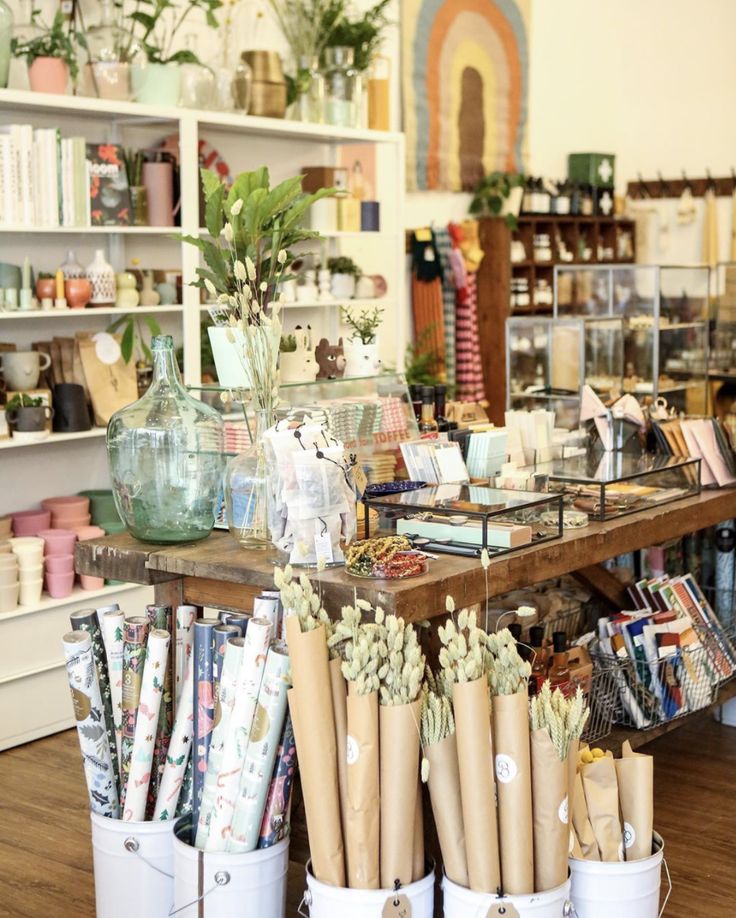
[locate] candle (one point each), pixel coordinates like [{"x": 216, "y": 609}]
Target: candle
[
  {"x": 59, "y": 284},
  {"x": 26, "y": 282}
]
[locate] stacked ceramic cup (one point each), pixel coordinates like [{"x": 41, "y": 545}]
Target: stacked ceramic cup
[
  {"x": 86, "y": 581},
  {"x": 9, "y": 585},
  {"x": 28, "y": 551},
  {"x": 59, "y": 559},
  {"x": 67, "y": 512}
]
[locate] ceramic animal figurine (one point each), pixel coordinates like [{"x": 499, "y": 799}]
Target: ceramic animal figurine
[
  {"x": 330, "y": 359},
  {"x": 299, "y": 365}
]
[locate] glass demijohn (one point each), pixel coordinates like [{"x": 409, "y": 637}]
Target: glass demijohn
[{"x": 165, "y": 456}]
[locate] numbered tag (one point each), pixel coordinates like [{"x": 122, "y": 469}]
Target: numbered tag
[
  {"x": 502, "y": 910},
  {"x": 323, "y": 548},
  {"x": 398, "y": 906},
  {"x": 360, "y": 479}
]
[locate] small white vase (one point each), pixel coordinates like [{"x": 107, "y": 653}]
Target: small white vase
[
  {"x": 361, "y": 359},
  {"x": 101, "y": 277},
  {"x": 343, "y": 286}
]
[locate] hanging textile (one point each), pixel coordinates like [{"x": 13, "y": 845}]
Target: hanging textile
[
  {"x": 468, "y": 363},
  {"x": 426, "y": 300},
  {"x": 449, "y": 296}
]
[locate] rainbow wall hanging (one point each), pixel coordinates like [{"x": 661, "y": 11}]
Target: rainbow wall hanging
[{"x": 465, "y": 82}]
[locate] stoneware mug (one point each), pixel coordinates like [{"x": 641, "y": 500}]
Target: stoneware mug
[
  {"x": 30, "y": 419},
  {"x": 22, "y": 369}
]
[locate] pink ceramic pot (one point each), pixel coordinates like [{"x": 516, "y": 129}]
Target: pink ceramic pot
[
  {"x": 63, "y": 507},
  {"x": 70, "y": 522},
  {"x": 29, "y": 522},
  {"x": 77, "y": 291},
  {"x": 49, "y": 74},
  {"x": 59, "y": 585},
  {"x": 91, "y": 583},
  {"x": 6, "y": 526},
  {"x": 60, "y": 564},
  {"x": 58, "y": 541},
  {"x": 89, "y": 532},
  {"x": 46, "y": 288}
]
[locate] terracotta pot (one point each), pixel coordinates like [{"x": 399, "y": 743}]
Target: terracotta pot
[
  {"x": 46, "y": 288},
  {"x": 49, "y": 74},
  {"x": 77, "y": 291},
  {"x": 69, "y": 505}
]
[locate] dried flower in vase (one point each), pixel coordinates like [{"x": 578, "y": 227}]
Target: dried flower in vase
[{"x": 563, "y": 718}]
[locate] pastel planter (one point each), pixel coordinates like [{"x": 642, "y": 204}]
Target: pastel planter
[
  {"x": 342, "y": 286},
  {"x": 59, "y": 586},
  {"x": 60, "y": 564},
  {"x": 88, "y": 582},
  {"x": 9, "y": 562},
  {"x": 29, "y": 522},
  {"x": 58, "y": 541},
  {"x": 227, "y": 347},
  {"x": 78, "y": 292},
  {"x": 9, "y": 597},
  {"x": 156, "y": 84},
  {"x": 29, "y": 592},
  {"x": 28, "y": 550},
  {"x": 361, "y": 359},
  {"x": 89, "y": 532},
  {"x": 73, "y": 505},
  {"x": 71, "y": 522},
  {"x": 30, "y": 573},
  {"x": 8, "y": 576},
  {"x": 49, "y": 74},
  {"x": 5, "y": 547}
]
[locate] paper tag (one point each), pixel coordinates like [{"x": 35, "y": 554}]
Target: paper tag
[
  {"x": 323, "y": 548},
  {"x": 359, "y": 477},
  {"x": 398, "y": 906},
  {"x": 502, "y": 910},
  {"x": 629, "y": 835},
  {"x": 562, "y": 812},
  {"x": 506, "y": 768},
  {"x": 353, "y": 750},
  {"x": 107, "y": 349}
]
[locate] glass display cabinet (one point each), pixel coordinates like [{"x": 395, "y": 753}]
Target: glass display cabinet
[
  {"x": 722, "y": 357},
  {"x": 665, "y": 315}
]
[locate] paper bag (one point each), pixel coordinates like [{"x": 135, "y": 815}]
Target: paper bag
[
  {"x": 444, "y": 794},
  {"x": 363, "y": 810},
  {"x": 514, "y": 786},
  {"x": 109, "y": 380},
  {"x": 635, "y": 775},
  {"x": 418, "y": 871},
  {"x": 314, "y": 731},
  {"x": 399, "y": 755},
  {"x": 475, "y": 760},
  {"x": 601, "y": 796},
  {"x": 339, "y": 689},
  {"x": 549, "y": 795},
  {"x": 581, "y": 823}
]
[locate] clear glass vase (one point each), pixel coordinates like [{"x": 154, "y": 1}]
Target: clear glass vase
[
  {"x": 310, "y": 100},
  {"x": 343, "y": 92},
  {"x": 247, "y": 490},
  {"x": 165, "y": 456}
]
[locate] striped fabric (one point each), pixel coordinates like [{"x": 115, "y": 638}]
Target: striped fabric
[
  {"x": 469, "y": 366},
  {"x": 427, "y": 312},
  {"x": 449, "y": 293}
]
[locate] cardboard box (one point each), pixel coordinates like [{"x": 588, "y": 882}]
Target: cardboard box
[{"x": 318, "y": 177}]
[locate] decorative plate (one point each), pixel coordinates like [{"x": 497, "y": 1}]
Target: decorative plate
[{"x": 392, "y": 487}]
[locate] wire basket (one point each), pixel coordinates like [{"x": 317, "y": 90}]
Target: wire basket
[{"x": 603, "y": 699}]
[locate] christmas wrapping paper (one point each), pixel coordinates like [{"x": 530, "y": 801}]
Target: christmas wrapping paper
[
  {"x": 184, "y": 807},
  {"x": 185, "y": 616},
  {"x": 99, "y": 771},
  {"x": 149, "y": 708},
  {"x": 233, "y": 657},
  {"x": 86, "y": 620},
  {"x": 275, "y": 823},
  {"x": 161, "y": 617},
  {"x": 204, "y": 705},
  {"x": 268, "y": 723},
  {"x": 135, "y": 633},
  {"x": 223, "y": 635},
  {"x": 177, "y": 758},
  {"x": 112, "y": 624},
  {"x": 257, "y": 639}
]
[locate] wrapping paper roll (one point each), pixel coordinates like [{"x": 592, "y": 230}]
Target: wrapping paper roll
[
  {"x": 149, "y": 708},
  {"x": 112, "y": 624},
  {"x": 238, "y": 619},
  {"x": 257, "y": 639},
  {"x": 265, "y": 606},
  {"x": 184, "y": 807},
  {"x": 185, "y": 616},
  {"x": 268, "y": 724},
  {"x": 86, "y": 620},
  {"x": 161, "y": 617},
  {"x": 223, "y": 635},
  {"x": 99, "y": 771},
  {"x": 135, "y": 634},
  {"x": 233, "y": 657},
  {"x": 275, "y": 823},
  {"x": 178, "y": 756},
  {"x": 204, "y": 705}
]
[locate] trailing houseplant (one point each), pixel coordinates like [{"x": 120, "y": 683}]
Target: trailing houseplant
[
  {"x": 499, "y": 195},
  {"x": 51, "y": 56}
]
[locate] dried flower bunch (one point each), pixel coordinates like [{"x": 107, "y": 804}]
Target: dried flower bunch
[
  {"x": 298, "y": 598},
  {"x": 438, "y": 720},
  {"x": 403, "y": 680},
  {"x": 563, "y": 718},
  {"x": 463, "y": 657},
  {"x": 508, "y": 673},
  {"x": 362, "y": 646}
]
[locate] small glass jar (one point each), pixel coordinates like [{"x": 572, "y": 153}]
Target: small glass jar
[
  {"x": 343, "y": 95},
  {"x": 196, "y": 82},
  {"x": 310, "y": 87},
  {"x": 242, "y": 87}
]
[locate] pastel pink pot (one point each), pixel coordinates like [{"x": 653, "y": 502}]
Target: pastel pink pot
[
  {"x": 29, "y": 522},
  {"x": 60, "y": 564},
  {"x": 78, "y": 292},
  {"x": 63, "y": 507},
  {"x": 91, "y": 583},
  {"x": 72, "y": 522},
  {"x": 49, "y": 74},
  {"x": 58, "y": 541},
  {"x": 59, "y": 586},
  {"x": 89, "y": 532}
]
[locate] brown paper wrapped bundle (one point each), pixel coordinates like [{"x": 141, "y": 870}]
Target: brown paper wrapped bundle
[
  {"x": 581, "y": 823},
  {"x": 418, "y": 871},
  {"x": 551, "y": 832},
  {"x": 572, "y": 770},
  {"x": 601, "y": 796},
  {"x": 314, "y": 730},
  {"x": 635, "y": 774},
  {"x": 339, "y": 689},
  {"x": 575, "y": 849},
  {"x": 363, "y": 810},
  {"x": 471, "y": 705},
  {"x": 444, "y": 794},
  {"x": 399, "y": 744},
  {"x": 514, "y": 786}
]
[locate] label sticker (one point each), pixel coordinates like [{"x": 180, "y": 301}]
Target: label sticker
[
  {"x": 353, "y": 750},
  {"x": 359, "y": 477},
  {"x": 629, "y": 835},
  {"x": 106, "y": 348},
  {"x": 563, "y": 811},
  {"x": 506, "y": 768}
]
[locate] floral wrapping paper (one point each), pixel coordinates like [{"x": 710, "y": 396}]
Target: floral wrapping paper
[
  {"x": 275, "y": 824},
  {"x": 185, "y": 616},
  {"x": 112, "y": 625},
  {"x": 86, "y": 620},
  {"x": 135, "y": 633},
  {"x": 178, "y": 760},
  {"x": 184, "y": 807},
  {"x": 204, "y": 706},
  {"x": 161, "y": 617},
  {"x": 99, "y": 770}
]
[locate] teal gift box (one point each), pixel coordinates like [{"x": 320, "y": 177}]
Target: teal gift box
[{"x": 596, "y": 169}]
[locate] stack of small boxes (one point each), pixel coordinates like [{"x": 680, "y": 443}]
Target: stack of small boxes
[{"x": 346, "y": 212}]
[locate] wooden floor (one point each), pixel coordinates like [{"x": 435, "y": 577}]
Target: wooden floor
[{"x": 46, "y": 862}]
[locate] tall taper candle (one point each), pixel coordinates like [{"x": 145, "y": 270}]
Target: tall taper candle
[
  {"x": 204, "y": 706},
  {"x": 135, "y": 633},
  {"x": 185, "y": 616},
  {"x": 99, "y": 771},
  {"x": 177, "y": 758},
  {"x": 112, "y": 624},
  {"x": 275, "y": 823}
]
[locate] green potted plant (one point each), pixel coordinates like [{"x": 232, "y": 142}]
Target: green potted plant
[
  {"x": 499, "y": 195},
  {"x": 50, "y": 55},
  {"x": 361, "y": 349},
  {"x": 135, "y": 341},
  {"x": 27, "y": 413},
  {"x": 364, "y": 34},
  {"x": 344, "y": 276}
]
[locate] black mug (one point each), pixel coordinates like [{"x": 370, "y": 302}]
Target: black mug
[{"x": 70, "y": 405}]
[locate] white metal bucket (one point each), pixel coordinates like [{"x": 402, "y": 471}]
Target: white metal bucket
[
  {"x": 324, "y": 901},
  {"x": 609, "y": 890},
  {"x": 134, "y": 867},
  {"x": 222, "y": 885},
  {"x": 459, "y": 902}
]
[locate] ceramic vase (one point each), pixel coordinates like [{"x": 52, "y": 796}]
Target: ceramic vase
[
  {"x": 149, "y": 296},
  {"x": 127, "y": 296},
  {"x": 49, "y": 74},
  {"x": 156, "y": 84},
  {"x": 101, "y": 277},
  {"x": 46, "y": 288},
  {"x": 167, "y": 293},
  {"x": 343, "y": 286},
  {"x": 71, "y": 267},
  {"x": 159, "y": 181},
  {"x": 77, "y": 291},
  {"x": 106, "y": 80}
]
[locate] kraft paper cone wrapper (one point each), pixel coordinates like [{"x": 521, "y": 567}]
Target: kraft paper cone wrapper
[
  {"x": 275, "y": 824},
  {"x": 255, "y": 650},
  {"x": 185, "y": 616},
  {"x": 314, "y": 729},
  {"x": 572, "y": 769},
  {"x": 255, "y": 779},
  {"x": 444, "y": 794},
  {"x": 99, "y": 771},
  {"x": 399, "y": 756},
  {"x": 549, "y": 798},
  {"x": 581, "y": 823},
  {"x": 149, "y": 708},
  {"x": 471, "y": 705},
  {"x": 363, "y": 808},
  {"x": 635, "y": 774},
  {"x": 339, "y": 688},
  {"x": 178, "y": 756},
  {"x": 226, "y": 699},
  {"x": 601, "y": 795},
  {"x": 418, "y": 848},
  {"x": 86, "y": 620},
  {"x": 575, "y": 849},
  {"x": 514, "y": 788},
  {"x": 135, "y": 633},
  {"x": 112, "y": 625}
]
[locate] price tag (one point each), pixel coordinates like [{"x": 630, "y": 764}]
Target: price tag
[
  {"x": 398, "y": 906},
  {"x": 323, "y": 548},
  {"x": 502, "y": 910},
  {"x": 359, "y": 477}
]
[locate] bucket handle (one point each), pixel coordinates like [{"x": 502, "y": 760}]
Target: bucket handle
[
  {"x": 306, "y": 901},
  {"x": 222, "y": 878},
  {"x": 132, "y": 845}
]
